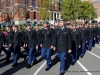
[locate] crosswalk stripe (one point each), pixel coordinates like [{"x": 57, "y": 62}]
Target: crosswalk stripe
[
  {"x": 84, "y": 68},
  {"x": 94, "y": 54}
]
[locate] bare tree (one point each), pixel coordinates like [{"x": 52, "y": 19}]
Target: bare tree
[{"x": 9, "y": 6}]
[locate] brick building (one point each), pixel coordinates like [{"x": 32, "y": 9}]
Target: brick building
[
  {"x": 96, "y": 4},
  {"x": 23, "y": 10}
]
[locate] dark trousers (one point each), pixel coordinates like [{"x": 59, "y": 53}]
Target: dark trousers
[
  {"x": 74, "y": 52},
  {"x": 93, "y": 43},
  {"x": 62, "y": 57},
  {"x": 46, "y": 54},
  {"x": 83, "y": 49},
  {"x": 10, "y": 49},
  {"x": 90, "y": 42},
  {"x": 31, "y": 56},
  {"x": 98, "y": 38},
  {"x": 17, "y": 54},
  {"x": 2, "y": 48}
]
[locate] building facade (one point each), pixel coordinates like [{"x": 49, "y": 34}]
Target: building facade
[
  {"x": 24, "y": 10},
  {"x": 96, "y": 4}
]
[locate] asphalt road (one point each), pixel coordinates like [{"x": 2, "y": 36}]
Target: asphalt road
[{"x": 88, "y": 65}]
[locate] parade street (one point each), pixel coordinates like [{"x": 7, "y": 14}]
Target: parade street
[{"x": 88, "y": 65}]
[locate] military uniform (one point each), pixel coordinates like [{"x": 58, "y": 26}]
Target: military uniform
[
  {"x": 31, "y": 41},
  {"x": 95, "y": 36},
  {"x": 83, "y": 41},
  {"x": 38, "y": 32},
  {"x": 87, "y": 33},
  {"x": 63, "y": 43},
  {"x": 75, "y": 44},
  {"x": 90, "y": 37},
  {"x": 98, "y": 34},
  {"x": 9, "y": 41},
  {"x": 2, "y": 42},
  {"x": 47, "y": 42},
  {"x": 17, "y": 43},
  {"x": 22, "y": 36}
]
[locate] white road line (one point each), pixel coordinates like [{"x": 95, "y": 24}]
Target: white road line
[
  {"x": 84, "y": 68},
  {"x": 39, "y": 68},
  {"x": 37, "y": 71},
  {"x": 94, "y": 54},
  {"x": 97, "y": 46}
]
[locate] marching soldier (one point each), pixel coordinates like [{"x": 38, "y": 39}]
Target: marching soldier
[
  {"x": 83, "y": 39},
  {"x": 38, "y": 32},
  {"x": 2, "y": 42},
  {"x": 90, "y": 37},
  {"x": 95, "y": 35},
  {"x": 75, "y": 43},
  {"x": 31, "y": 43},
  {"x": 22, "y": 33},
  {"x": 46, "y": 44},
  {"x": 9, "y": 41},
  {"x": 17, "y": 45},
  {"x": 98, "y": 33},
  {"x": 87, "y": 32},
  {"x": 63, "y": 44}
]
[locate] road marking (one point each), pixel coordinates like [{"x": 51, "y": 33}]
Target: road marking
[
  {"x": 84, "y": 68},
  {"x": 97, "y": 46},
  {"x": 39, "y": 68},
  {"x": 94, "y": 54},
  {"x": 37, "y": 71}
]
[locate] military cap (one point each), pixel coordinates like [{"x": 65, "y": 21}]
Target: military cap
[
  {"x": 46, "y": 22},
  {"x": 15, "y": 25},
  {"x": 28, "y": 24},
  {"x": 7, "y": 25},
  {"x": 61, "y": 20},
  {"x": 74, "y": 25},
  {"x": 51, "y": 24},
  {"x": 58, "y": 20}
]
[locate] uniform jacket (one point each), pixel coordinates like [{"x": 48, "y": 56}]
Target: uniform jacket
[
  {"x": 63, "y": 41},
  {"x": 47, "y": 37}
]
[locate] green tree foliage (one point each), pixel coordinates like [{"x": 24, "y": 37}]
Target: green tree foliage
[
  {"x": 87, "y": 10},
  {"x": 73, "y": 9},
  {"x": 46, "y": 8}
]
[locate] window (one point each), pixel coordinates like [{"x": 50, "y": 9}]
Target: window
[
  {"x": 55, "y": 16},
  {"x": 28, "y": 15},
  {"x": 34, "y": 14},
  {"x": 96, "y": 1},
  {"x": 34, "y": 3},
  {"x": 96, "y": 9},
  {"x": 27, "y": 2}
]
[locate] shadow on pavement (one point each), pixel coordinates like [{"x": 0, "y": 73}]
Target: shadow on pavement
[{"x": 14, "y": 69}]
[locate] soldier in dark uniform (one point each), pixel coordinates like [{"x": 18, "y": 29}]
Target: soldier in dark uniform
[
  {"x": 97, "y": 30},
  {"x": 87, "y": 33},
  {"x": 75, "y": 43},
  {"x": 38, "y": 32},
  {"x": 22, "y": 33},
  {"x": 46, "y": 44},
  {"x": 98, "y": 33},
  {"x": 2, "y": 42},
  {"x": 83, "y": 39},
  {"x": 90, "y": 37},
  {"x": 9, "y": 41},
  {"x": 63, "y": 44},
  {"x": 95, "y": 34},
  {"x": 31, "y": 43},
  {"x": 17, "y": 45}
]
